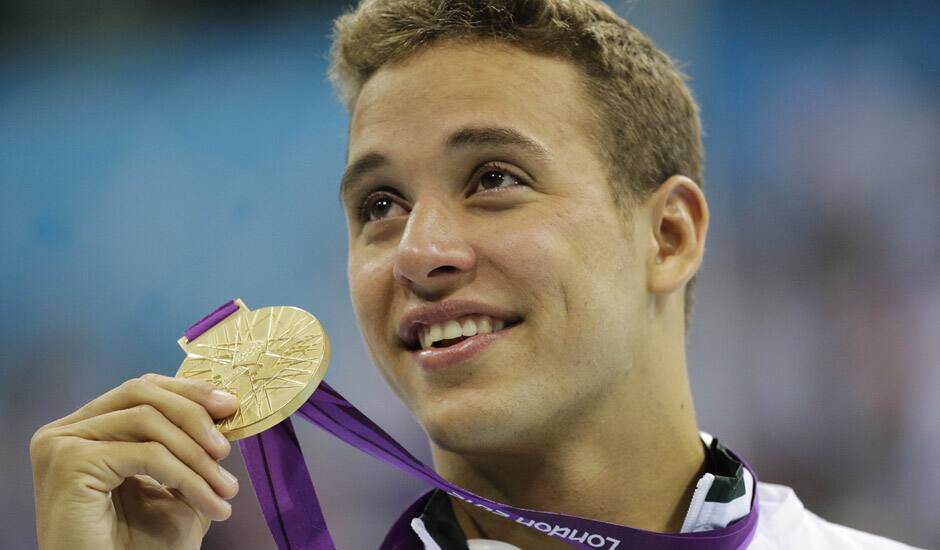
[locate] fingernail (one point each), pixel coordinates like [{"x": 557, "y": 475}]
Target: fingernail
[
  {"x": 217, "y": 438},
  {"x": 228, "y": 509},
  {"x": 222, "y": 397},
  {"x": 229, "y": 478}
]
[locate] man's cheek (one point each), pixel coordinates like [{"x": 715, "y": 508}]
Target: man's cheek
[
  {"x": 537, "y": 260},
  {"x": 370, "y": 297}
]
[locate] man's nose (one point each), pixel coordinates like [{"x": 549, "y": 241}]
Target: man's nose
[{"x": 433, "y": 256}]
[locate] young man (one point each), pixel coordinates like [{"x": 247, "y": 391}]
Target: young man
[{"x": 525, "y": 223}]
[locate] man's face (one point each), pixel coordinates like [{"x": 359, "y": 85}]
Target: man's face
[{"x": 479, "y": 197}]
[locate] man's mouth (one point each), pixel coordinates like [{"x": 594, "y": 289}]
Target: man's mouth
[
  {"x": 454, "y": 331},
  {"x": 446, "y": 324}
]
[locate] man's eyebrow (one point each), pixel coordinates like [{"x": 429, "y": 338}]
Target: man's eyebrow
[
  {"x": 496, "y": 135},
  {"x": 461, "y": 139},
  {"x": 362, "y": 165}
]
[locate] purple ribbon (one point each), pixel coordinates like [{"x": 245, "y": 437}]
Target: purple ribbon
[
  {"x": 285, "y": 491},
  {"x": 210, "y": 320}
]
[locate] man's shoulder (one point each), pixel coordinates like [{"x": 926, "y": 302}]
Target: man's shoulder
[{"x": 784, "y": 523}]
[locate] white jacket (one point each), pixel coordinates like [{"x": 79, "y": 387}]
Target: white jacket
[{"x": 785, "y": 524}]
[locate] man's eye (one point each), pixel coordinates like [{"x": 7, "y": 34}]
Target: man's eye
[
  {"x": 495, "y": 177},
  {"x": 380, "y": 206}
]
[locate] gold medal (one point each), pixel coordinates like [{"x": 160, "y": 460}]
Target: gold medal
[{"x": 271, "y": 358}]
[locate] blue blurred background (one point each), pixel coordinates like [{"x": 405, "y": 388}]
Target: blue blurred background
[{"x": 158, "y": 158}]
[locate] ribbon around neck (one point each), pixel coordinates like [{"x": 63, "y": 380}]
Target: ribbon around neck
[{"x": 285, "y": 491}]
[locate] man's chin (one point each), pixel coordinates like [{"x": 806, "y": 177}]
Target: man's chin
[
  {"x": 471, "y": 428},
  {"x": 472, "y": 440}
]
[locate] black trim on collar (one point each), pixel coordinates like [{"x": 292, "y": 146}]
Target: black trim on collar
[{"x": 441, "y": 523}]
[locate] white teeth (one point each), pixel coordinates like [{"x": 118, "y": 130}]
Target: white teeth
[
  {"x": 436, "y": 333},
  {"x": 469, "y": 327},
  {"x": 452, "y": 330},
  {"x": 455, "y": 328}
]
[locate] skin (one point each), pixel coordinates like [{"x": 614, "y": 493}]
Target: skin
[{"x": 584, "y": 408}]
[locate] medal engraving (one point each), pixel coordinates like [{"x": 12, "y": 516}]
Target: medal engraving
[{"x": 271, "y": 358}]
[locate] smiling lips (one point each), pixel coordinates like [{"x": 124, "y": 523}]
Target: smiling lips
[
  {"x": 453, "y": 331},
  {"x": 450, "y": 332}
]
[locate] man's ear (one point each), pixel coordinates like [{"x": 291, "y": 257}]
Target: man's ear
[{"x": 678, "y": 217}]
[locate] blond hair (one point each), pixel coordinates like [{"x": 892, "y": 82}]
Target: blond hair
[{"x": 647, "y": 123}]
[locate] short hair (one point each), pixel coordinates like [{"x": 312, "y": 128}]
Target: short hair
[{"x": 646, "y": 120}]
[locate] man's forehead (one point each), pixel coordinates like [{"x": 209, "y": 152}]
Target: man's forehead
[{"x": 468, "y": 85}]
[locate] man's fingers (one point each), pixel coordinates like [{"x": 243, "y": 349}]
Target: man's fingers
[
  {"x": 126, "y": 459},
  {"x": 186, "y": 403},
  {"x": 218, "y": 403},
  {"x": 145, "y": 423},
  {"x": 144, "y": 491},
  {"x": 204, "y": 521}
]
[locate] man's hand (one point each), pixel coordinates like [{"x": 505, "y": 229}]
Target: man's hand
[{"x": 135, "y": 468}]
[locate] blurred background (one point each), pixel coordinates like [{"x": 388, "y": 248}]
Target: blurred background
[{"x": 158, "y": 158}]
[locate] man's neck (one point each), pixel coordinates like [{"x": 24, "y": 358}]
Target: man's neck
[{"x": 638, "y": 469}]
